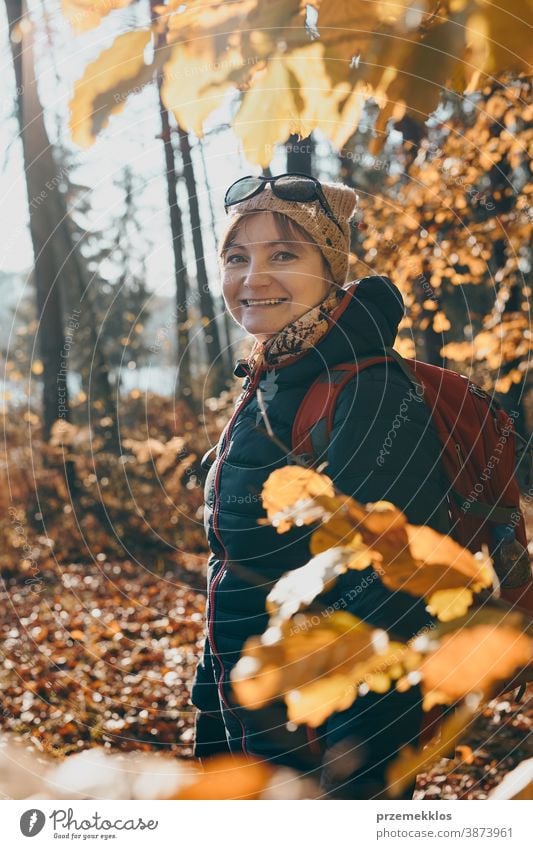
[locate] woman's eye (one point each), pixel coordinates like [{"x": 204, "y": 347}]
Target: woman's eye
[
  {"x": 233, "y": 256},
  {"x": 285, "y": 254}
]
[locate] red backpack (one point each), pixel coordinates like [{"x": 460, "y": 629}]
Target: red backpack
[{"x": 478, "y": 441}]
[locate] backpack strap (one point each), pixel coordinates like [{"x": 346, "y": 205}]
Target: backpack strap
[
  {"x": 480, "y": 510},
  {"x": 313, "y": 423},
  {"x": 409, "y": 373}
]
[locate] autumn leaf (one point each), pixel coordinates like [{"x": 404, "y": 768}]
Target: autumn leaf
[
  {"x": 84, "y": 15},
  {"x": 401, "y": 56},
  {"x": 319, "y": 667},
  {"x": 108, "y": 81},
  {"x": 191, "y": 89},
  {"x": 146, "y": 449},
  {"x": 498, "y": 37},
  {"x": 272, "y": 94},
  {"x": 447, "y": 605},
  {"x": 472, "y": 660},
  {"x": 290, "y": 488},
  {"x": 440, "y": 323},
  {"x": 289, "y": 656},
  {"x": 314, "y": 702},
  {"x": 414, "y": 559},
  {"x": 439, "y": 563},
  {"x": 229, "y": 777}
]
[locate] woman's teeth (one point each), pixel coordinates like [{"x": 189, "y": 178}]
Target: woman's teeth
[{"x": 264, "y": 302}]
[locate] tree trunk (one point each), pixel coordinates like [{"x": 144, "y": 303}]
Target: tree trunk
[
  {"x": 300, "y": 154},
  {"x": 228, "y": 347},
  {"x": 58, "y": 265},
  {"x": 218, "y": 378},
  {"x": 346, "y": 162},
  {"x": 185, "y": 384},
  {"x": 40, "y": 170}
]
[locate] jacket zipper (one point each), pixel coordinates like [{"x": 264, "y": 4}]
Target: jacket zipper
[{"x": 210, "y": 627}]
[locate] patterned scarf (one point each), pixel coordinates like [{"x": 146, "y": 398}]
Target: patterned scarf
[{"x": 299, "y": 335}]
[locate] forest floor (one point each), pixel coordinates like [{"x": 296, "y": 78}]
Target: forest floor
[{"x": 105, "y": 654}]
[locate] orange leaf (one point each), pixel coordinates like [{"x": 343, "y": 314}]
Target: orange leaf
[
  {"x": 473, "y": 659},
  {"x": 229, "y": 777}
]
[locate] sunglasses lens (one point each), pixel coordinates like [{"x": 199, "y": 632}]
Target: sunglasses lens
[
  {"x": 241, "y": 190},
  {"x": 299, "y": 189}
]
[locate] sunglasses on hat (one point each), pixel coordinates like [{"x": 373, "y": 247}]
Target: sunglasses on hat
[{"x": 300, "y": 188}]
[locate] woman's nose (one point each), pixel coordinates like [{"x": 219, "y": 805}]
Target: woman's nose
[{"x": 256, "y": 276}]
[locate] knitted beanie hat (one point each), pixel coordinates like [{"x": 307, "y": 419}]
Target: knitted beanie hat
[{"x": 334, "y": 244}]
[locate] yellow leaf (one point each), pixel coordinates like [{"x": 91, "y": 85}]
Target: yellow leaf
[
  {"x": 415, "y": 559},
  {"x": 318, "y": 101},
  {"x": 296, "y": 655},
  {"x": 313, "y": 704},
  {"x": 498, "y": 36},
  {"x": 197, "y": 17},
  {"x": 107, "y": 82},
  {"x": 450, "y": 604},
  {"x": 269, "y": 111},
  {"x": 288, "y": 488},
  {"x": 195, "y": 82},
  {"x": 228, "y": 777},
  {"x": 458, "y": 351},
  {"x": 84, "y": 15},
  {"x": 473, "y": 659},
  {"x": 405, "y": 347}
]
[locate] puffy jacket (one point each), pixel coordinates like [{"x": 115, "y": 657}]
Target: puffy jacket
[{"x": 247, "y": 558}]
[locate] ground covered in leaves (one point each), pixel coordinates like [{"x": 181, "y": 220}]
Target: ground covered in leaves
[
  {"x": 104, "y": 654},
  {"x": 500, "y": 738}
]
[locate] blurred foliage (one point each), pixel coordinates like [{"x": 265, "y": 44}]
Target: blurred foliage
[
  {"x": 453, "y": 230},
  {"x": 320, "y": 659},
  {"x": 311, "y": 65}
]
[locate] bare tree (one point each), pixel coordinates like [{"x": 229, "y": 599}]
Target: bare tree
[
  {"x": 218, "y": 376},
  {"x": 185, "y": 384},
  {"x": 58, "y": 264},
  {"x": 40, "y": 170}
]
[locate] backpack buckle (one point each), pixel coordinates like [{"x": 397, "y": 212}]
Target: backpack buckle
[{"x": 477, "y": 390}]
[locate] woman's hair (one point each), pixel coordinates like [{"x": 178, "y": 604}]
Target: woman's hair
[{"x": 286, "y": 227}]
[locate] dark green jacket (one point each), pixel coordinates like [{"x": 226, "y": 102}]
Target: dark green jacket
[{"x": 382, "y": 447}]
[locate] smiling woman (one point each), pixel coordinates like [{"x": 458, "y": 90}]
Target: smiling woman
[
  {"x": 271, "y": 273},
  {"x": 284, "y": 265}
]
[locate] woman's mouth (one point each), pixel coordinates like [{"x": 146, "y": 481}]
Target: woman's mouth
[{"x": 264, "y": 302}]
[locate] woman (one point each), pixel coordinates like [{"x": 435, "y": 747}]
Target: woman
[{"x": 284, "y": 263}]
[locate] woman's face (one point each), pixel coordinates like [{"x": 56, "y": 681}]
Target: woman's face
[{"x": 260, "y": 266}]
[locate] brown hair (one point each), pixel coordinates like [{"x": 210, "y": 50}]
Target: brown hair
[{"x": 286, "y": 227}]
